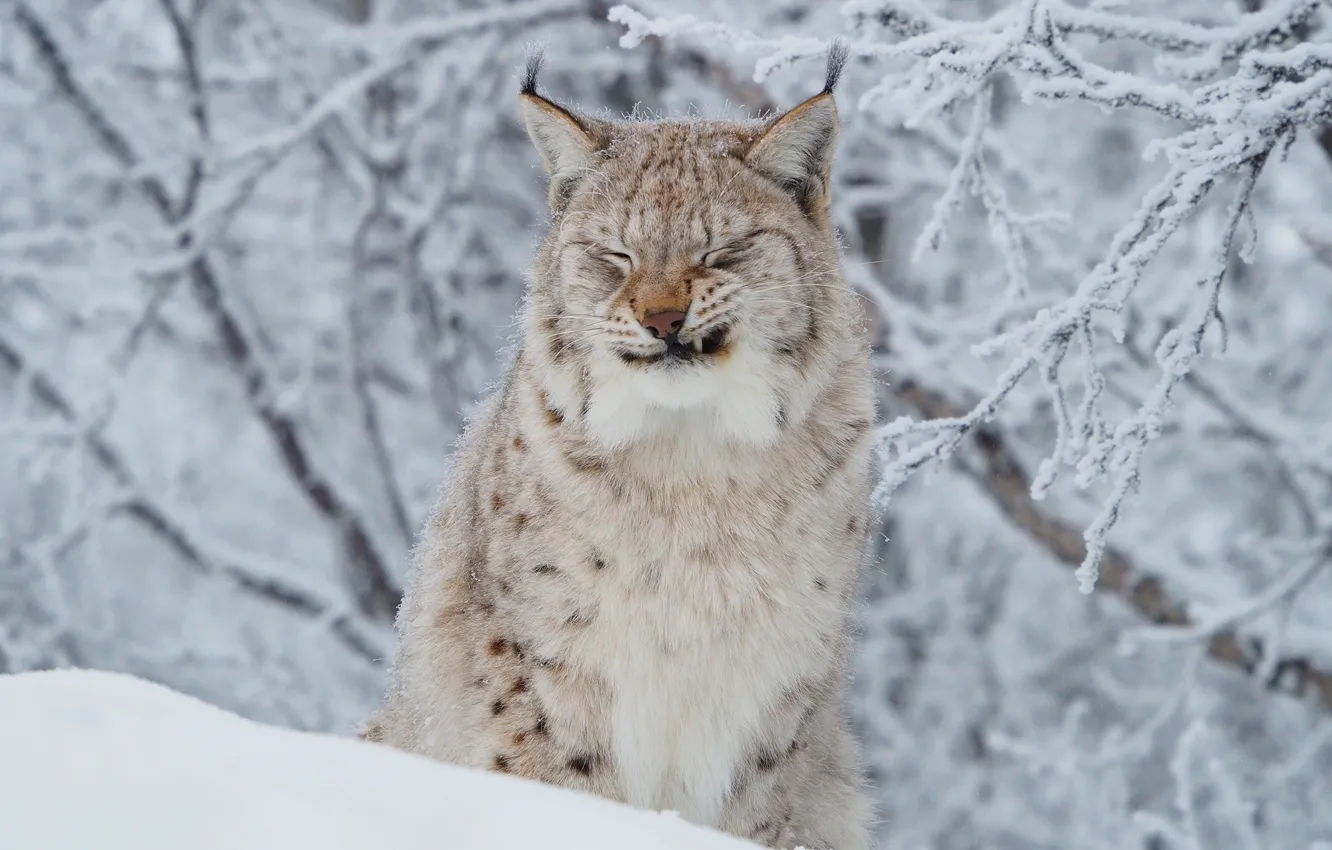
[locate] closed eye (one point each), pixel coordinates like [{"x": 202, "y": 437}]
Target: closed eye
[
  {"x": 623, "y": 262},
  {"x": 725, "y": 257}
]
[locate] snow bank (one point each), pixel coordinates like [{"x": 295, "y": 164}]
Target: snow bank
[{"x": 99, "y": 760}]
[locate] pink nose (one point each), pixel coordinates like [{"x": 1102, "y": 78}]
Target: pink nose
[{"x": 663, "y": 324}]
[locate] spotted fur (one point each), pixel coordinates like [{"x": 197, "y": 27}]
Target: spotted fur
[{"x": 638, "y": 581}]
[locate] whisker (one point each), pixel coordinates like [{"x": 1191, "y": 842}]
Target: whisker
[
  {"x": 581, "y": 334},
  {"x": 801, "y": 282},
  {"x": 849, "y": 290},
  {"x": 820, "y": 273},
  {"x": 821, "y": 312},
  {"x": 558, "y": 316}
]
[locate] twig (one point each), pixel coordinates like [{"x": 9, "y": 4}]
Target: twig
[
  {"x": 424, "y": 37},
  {"x": 1003, "y": 478},
  {"x": 360, "y": 364},
  {"x": 161, "y": 520},
  {"x": 183, "y": 32},
  {"x": 368, "y": 575}
]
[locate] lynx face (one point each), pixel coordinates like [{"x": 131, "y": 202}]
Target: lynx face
[{"x": 690, "y": 268}]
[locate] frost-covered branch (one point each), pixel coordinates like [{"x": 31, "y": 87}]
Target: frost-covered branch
[
  {"x": 1291, "y": 468},
  {"x": 1001, "y": 474},
  {"x": 1186, "y": 46},
  {"x": 395, "y": 49},
  {"x": 139, "y": 504},
  {"x": 1240, "y": 122},
  {"x": 1235, "y": 124},
  {"x": 112, "y": 140},
  {"x": 184, "y": 32},
  {"x": 369, "y": 575},
  {"x": 1229, "y": 139}
]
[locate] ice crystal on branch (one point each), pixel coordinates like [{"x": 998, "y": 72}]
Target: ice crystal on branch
[{"x": 1238, "y": 94}]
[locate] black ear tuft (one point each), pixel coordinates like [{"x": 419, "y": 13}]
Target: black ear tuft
[
  {"x": 838, "y": 53},
  {"x": 535, "y": 58}
]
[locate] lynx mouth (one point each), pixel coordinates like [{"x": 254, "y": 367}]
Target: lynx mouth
[{"x": 699, "y": 349}]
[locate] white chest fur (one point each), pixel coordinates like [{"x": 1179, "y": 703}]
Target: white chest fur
[
  {"x": 722, "y": 595},
  {"x": 694, "y": 664}
]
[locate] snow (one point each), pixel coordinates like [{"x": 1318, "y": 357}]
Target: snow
[
  {"x": 368, "y": 209},
  {"x": 107, "y": 761}
]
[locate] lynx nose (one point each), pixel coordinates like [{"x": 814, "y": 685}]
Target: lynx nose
[{"x": 664, "y": 324}]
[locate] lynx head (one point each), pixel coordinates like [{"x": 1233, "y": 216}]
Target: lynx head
[{"x": 690, "y": 274}]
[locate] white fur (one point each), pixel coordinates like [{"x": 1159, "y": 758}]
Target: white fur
[
  {"x": 685, "y": 717},
  {"x": 633, "y": 402}
]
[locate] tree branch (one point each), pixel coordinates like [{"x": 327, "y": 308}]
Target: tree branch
[
  {"x": 367, "y": 574},
  {"x": 184, "y": 34},
  {"x": 1001, "y": 474},
  {"x": 1003, "y": 478},
  {"x": 161, "y": 520}
]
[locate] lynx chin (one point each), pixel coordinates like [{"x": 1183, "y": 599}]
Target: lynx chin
[{"x": 639, "y": 580}]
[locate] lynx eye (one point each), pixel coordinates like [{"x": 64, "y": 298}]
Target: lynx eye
[
  {"x": 624, "y": 262},
  {"x": 720, "y": 258}
]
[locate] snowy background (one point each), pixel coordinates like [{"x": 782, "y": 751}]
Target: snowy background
[{"x": 258, "y": 257}]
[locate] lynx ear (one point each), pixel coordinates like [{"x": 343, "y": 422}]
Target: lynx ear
[
  {"x": 568, "y": 144},
  {"x": 796, "y": 149}
]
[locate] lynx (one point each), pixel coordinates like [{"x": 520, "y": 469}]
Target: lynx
[{"x": 638, "y": 582}]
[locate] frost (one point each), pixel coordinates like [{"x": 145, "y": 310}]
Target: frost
[
  {"x": 259, "y": 260},
  {"x": 1233, "y": 125},
  {"x": 1094, "y": 329}
]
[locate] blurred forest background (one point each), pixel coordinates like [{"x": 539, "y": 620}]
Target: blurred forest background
[{"x": 258, "y": 258}]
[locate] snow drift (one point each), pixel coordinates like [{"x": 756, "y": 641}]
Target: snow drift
[{"x": 108, "y": 761}]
